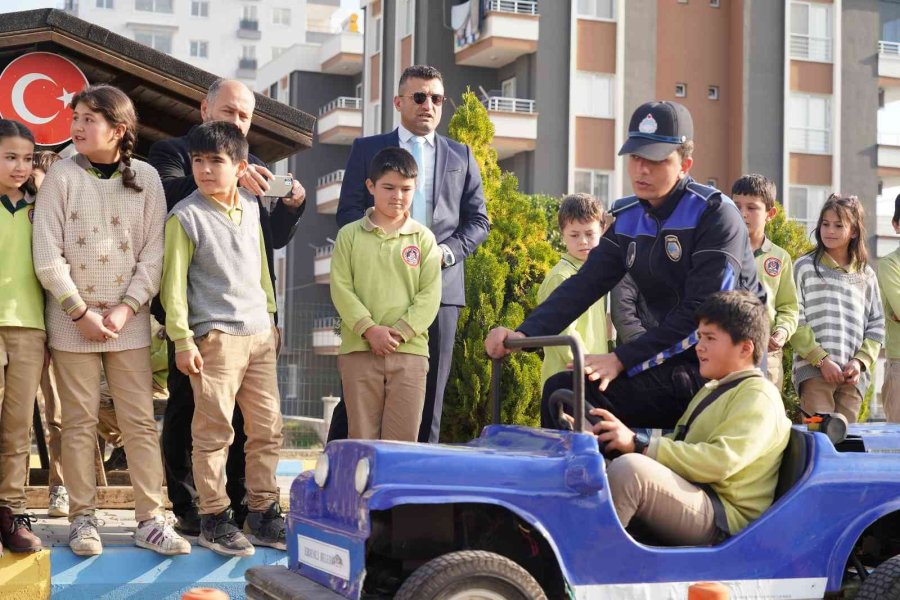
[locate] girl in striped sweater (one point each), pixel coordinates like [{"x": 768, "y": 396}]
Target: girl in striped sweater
[{"x": 841, "y": 326}]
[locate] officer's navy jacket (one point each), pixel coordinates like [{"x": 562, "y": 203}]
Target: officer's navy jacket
[{"x": 693, "y": 245}]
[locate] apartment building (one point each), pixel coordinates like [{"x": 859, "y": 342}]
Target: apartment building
[{"x": 229, "y": 38}]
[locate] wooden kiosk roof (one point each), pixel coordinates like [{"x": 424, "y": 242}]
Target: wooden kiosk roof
[{"x": 166, "y": 92}]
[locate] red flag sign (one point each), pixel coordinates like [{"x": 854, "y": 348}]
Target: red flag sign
[{"x": 36, "y": 90}]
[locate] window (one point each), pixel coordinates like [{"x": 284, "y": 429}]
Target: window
[
  {"x": 358, "y": 90},
  {"x": 159, "y": 6},
  {"x": 373, "y": 37},
  {"x": 714, "y": 3},
  {"x": 712, "y": 92},
  {"x": 596, "y": 183},
  {"x": 199, "y": 49},
  {"x": 712, "y": 182},
  {"x": 374, "y": 117},
  {"x": 200, "y": 8},
  {"x": 272, "y": 91},
  {"x": 809, "y": 120},
  {"x": 811, "y": 31},
  {"x": 158, "y": 40},
  {"x": 281, "y": 16},
  {"x": 594, "y": 94},
  {"x": 248, "y": 52},
  {"x": 597, "y": 9},
  {"x": 680, "y": 90},
  {"x": 249, "y": 13},
  {"x": 508, "y": 88},
  {"x": 407, "y": 17},
  {"x": 104, "y": 3},
  {"x": 805, "y": 203}
]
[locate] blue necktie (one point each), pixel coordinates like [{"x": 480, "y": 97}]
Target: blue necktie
[{"x": 419, "y": 207}]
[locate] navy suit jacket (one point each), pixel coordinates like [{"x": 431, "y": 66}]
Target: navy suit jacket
[{"x": 460, "y": 218}]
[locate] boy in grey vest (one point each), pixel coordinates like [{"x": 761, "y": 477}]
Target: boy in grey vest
[{"x": 220, "y": 308}]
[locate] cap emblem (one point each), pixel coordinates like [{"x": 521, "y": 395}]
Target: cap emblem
[{"x": 648, "y": 125}]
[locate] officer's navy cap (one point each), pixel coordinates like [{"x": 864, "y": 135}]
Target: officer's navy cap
[{"x": 657, "y": 129}]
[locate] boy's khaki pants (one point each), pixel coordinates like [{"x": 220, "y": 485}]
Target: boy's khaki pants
[
  {"x": 890, "y": 391},
  {"x": 130, "y": 379},
  {"x": 54, "y": 424},
  {"x": 775, "y": 368},
  {"x": 673, "y": 508},
  {"x": 384, "y": 394},
  {"x": 236, "y": 368},
  {"x": 21, "y": 361},
  {"x": 819, "y": 396}
]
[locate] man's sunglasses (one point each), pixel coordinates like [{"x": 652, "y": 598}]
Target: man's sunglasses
[{"x": 421, "y": 97}]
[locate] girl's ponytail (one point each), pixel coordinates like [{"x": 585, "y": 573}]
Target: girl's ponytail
[{"x": 129, "y": 178}]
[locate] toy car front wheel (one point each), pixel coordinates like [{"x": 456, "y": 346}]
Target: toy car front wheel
[
  {"x": 469, "y": 575},
  {"x": 883, "y": 583}
]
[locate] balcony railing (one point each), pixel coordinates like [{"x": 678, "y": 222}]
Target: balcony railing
[
  {"x": 333, "y": 177},
  {"x": 341, "y": 102},
  {"x": 813, "y": 141},
  {"x": 249, "y": 25},
  {"x": 248, "y": 64},
  {"x": 806, "y": 47},
  {"x": 519, "y": 7},
  {"x": 511, "y": 105},
  {"x": 324, "y": 251}
]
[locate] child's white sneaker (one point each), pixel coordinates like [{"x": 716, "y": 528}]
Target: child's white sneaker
[
  {"x": 84, "y": 539},
  {"x": 59, "y": 502},
  {"x": 157, "y": 534}
]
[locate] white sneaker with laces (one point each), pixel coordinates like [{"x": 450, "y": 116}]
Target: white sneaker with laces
[
  {"x": 59, "y": 502},
  {"x": 157, "y": 534},
  {"x": 84, "y": 539}
]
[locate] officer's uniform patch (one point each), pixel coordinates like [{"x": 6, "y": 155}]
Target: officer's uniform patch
[
  {"x": 411, "y": 255},
  {"x": 772, "y": 266},
  {"x": 673, "y": 248}
]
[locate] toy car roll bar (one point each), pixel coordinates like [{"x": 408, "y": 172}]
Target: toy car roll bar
[{"x": 542, "y": 342}]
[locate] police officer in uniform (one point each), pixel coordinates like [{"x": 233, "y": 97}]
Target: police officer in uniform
[{"x": 680, "y": 241}]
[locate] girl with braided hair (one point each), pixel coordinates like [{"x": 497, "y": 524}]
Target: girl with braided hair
[{"x": 98, "y": 250}]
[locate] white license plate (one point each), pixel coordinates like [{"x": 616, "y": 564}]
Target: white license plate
[{"x": 331, "y": 559}]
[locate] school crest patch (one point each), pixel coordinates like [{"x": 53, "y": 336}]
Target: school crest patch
[
  {"x": 673, "y": 248},
  {"x": 648, "y": 124},
  {"x": 772, "y": 266},
  {"x": 411, "y": 255},
  {"x": 629, "y": 255},
  {"x": 31, "y": 215}
]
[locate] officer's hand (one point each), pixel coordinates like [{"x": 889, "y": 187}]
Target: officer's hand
[
  {"x": 493, "y": 343},
  {"x": 602, "y": 367},
  {"x": 612, "y": 432}
]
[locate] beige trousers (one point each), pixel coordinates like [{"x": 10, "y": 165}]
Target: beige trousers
[
  {"x": 674, "y": 509},
  {"x": 53, "y": 412},
  {"x": 130, "y": 380},
  {"x": 385, "y": 395},
  {"x": 775, "y": 368},
  {"x": 21, "y": 361},
  {"x": 236, "y": 369},
  {"x": 819, "y": 396},
  {"x": 108, "y": 427},
  {"x": 890, "y": 391}
]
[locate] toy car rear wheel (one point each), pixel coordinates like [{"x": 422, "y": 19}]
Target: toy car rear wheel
[
  {"x": 470, "y": 575},
  {"x": 883, "y": 583}
]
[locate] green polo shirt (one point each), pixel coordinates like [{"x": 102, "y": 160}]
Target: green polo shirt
[
  {"x": 21, "y": 294},
  {"x": 776, "y": 273},
  {"x": 391, "y": 279}
]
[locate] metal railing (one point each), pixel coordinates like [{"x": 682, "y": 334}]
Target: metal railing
[
  {"x": 889, "y": 48},
  {"x": 817, "y": 141},
  {"x": 333, "y": 177},
  {"x": 807, "y": 47},
  {"x": 345, "y": 102},
  {"x": 249, "y": 25},
  {"x": 324, "y": 251},
  {"x": 247, "y": 63},
  {"x": 519, "y": 7},
  {"x": 332, "y": 324},
  {"x": 512, "y": 105}
]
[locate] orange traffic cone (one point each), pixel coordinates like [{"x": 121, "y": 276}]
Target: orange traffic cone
[
  {"x": 204, "y": 594},
  {"x": 707, "y": 591}
]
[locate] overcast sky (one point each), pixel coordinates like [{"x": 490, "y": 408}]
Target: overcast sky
[{"x": 14, "y": 5}]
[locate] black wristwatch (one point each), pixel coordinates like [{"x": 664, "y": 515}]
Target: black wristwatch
[{"x": 641, "y": 441}]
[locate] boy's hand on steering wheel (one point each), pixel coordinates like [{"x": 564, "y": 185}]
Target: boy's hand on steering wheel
[{"x": 612, "y": 433}]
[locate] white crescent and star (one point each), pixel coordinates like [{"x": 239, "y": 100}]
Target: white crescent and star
[{"x": 18, "y": 100}]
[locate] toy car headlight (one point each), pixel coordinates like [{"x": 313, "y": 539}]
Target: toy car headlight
[
  {"x": 321, "y": 475},
  {"x": 361, "y": 479}
]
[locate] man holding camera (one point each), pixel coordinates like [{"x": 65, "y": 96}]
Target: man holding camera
[{"x": 231, "y": 101}]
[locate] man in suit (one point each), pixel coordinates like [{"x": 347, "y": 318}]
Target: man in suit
[
  {"x": 231, "y": 101},
  {"x": 449, "y": 200}
]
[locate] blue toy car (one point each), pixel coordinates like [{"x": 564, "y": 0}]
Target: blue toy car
[{"x": 522, "y": 513}]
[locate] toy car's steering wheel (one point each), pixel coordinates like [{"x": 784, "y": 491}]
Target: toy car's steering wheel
[{"x": 557, "y": 404}]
